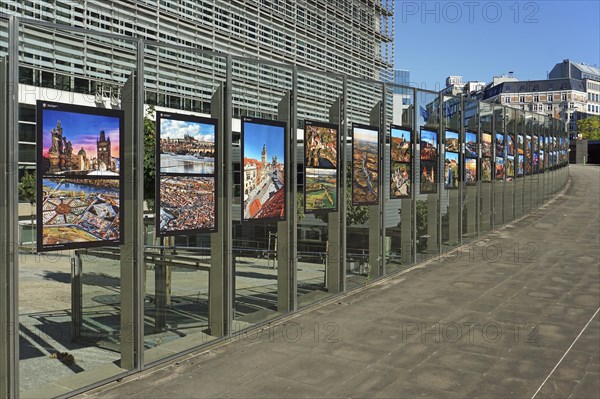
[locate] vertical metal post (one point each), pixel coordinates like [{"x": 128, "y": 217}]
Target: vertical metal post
[
  {"x": 76, "y": 296},
  {"x": 227, "y": 194},
  {"x": 293, "y": 221},
  {"x": 478, "y": 188},
  {"x": 415, "y": 169},
  {"x": 216, "y": 281},
  {"x": 333, "y": 272},
  {"x": 132, "y": 250},
  {"x": 9, "y": 260},
  {"x": 440, "y": 180},
  {"x": 461, "y": 160},
  {"x": 375, "y": 217},
  {"x": 383, "y": 127},
  {"x": 343, "y": 177}
]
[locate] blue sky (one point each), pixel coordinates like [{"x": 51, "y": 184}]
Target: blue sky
[
  {"x": 401, "y": 133},
  {"x": 429, "y": 136},
  {"x": 482, "y": 39},
  {"x": 177, "y": 129},
  {"x": 256, "y": 135}
]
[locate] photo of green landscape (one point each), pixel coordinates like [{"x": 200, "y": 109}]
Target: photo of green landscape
[{"x": 321, "y": 191}]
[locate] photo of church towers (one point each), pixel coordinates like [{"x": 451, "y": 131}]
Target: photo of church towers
[
  {"x": 79, "y": 176},
  {"x": 263, "y": 176},
  {"x": 451, "y": 160}
]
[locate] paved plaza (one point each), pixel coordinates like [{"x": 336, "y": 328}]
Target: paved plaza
[{"x": 515, "y": 315}]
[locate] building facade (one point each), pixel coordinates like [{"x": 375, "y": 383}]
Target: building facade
[{"x": 351, "y": 37}]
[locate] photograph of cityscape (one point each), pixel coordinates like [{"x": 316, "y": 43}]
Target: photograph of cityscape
[
  {"x": 520, "y": 142},
  {"x": 528, "y": 155},
  {"x": 520, "y": 165},
  {"x": 77, "y": 213},
  {"x": 486, "y": 170},
  {"x": 486, "y": 145},
  {"x": 78, "y": 141},
  {"x": 428, "y": 177},
  {"x": 510, "y": 144},
  {"x": 451, "y": 141},
  {"x": 542, "y": 162},
  {"x": 451, "y": 170},
  {"x": 510, "y": 167},
  {"x": 400, "y": 144},
  {"x": 186, "y": 144},
  {"x": 186, "y": 203},
  {"x": 499, "y": 168},
  {"x": 470, "y": 171},
  {"x": 400, "y": 182},
  {"x": 535, "y": 162},
  {"x": 470, "y": 145},
  {"x": 320, "y": 145},
  {"x": 365, "y": 165},
  {"x": 185, "y": 187},
  {"x": 263, "y": 179},
  {"x": 320, "y": 192},
  {"x": 79, "y": 179},
  {"x": 499, "y": 145},
  {"x": 428, "y": 145}
]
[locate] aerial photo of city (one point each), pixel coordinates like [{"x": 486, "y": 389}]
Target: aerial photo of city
[
  {"x": 520, "y": 166},
  {"x": 428, "y": 145},
  {"x": 79, "y": 211},
  {"x": 499, "y": 168},
  {"x": 320, "y": 144},
  {"x": 451, "y": 174},
  {"x": 401, "y": 145},
  {"x": 486, "y": 170},
  {"x": 470, "y": 171},
  {"x": 520, "y": 142},
  {"x": 400, "y": 184},
  {"x": 79, "y": 144},
  {"x": 321, "y": 189},
  {"x": 510, "y": 167},
  {"x": 451, "y": 141},
  {"x": 187, "y": 203},
  {"x": 486, "y": 145},
  {"x": 365, "y": 166},
  {"x": 263, "y": 194},
  {"x": 186, "y": 146}
]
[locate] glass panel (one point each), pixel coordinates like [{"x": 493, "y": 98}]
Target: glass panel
[
  {"x": 472, "y": 168},
  {"x": 511, "y": 167},
  {"x": 427, "y": 180},
  {"x": 261, "y": 279},
  {"x": 452, "y": 164},
  {"x": 487, "y": 152},
  {"x": 70, "y": 308},
  {"x": 499, "y": 165},
  {"x": 520, "y": 164},
  {"x": 178, "y": 261},
  {"x": 363, "y": 229},
  {"x": 319, "y": 104},
  {"x": 399, "y": 180}
]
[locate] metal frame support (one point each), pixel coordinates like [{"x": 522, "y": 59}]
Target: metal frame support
[
  {"x": 9, "y": 260},
  {"x": 414, "y": 174},
  {"x": 334, "y": 232},
  {"x": 216, "y": 276},
  {"x": 343, "y": 179},
  {"x": 375, "y": 213},
  {"x": 226, "y": 214}
]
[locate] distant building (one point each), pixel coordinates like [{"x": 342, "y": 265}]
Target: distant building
[
  {"x": 402, "y": 97},
  {"x": 456, "y": 87},
  {"x": 571, "y": 92}
]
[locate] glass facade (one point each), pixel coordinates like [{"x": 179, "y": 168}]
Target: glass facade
[{"x": 415, "y": 188}]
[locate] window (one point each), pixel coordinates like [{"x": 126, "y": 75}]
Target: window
[
  {"x": 550, "y": 97},
  {"x": 507, "y": 100},
  {"x": 563, "y": 97},
  {"x": 536, "y": 98},
  {"x": 549, "y": 107},
  {"x": 522, "y": 99}
]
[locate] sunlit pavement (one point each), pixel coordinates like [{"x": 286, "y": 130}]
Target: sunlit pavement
[{"x": 514, "y": 314}]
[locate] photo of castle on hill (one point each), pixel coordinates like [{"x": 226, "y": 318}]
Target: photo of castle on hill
[{"x": 186, "y": 144}]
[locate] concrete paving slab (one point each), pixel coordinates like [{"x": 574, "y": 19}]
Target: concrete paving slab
[{"x": 521, "y": 319}]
